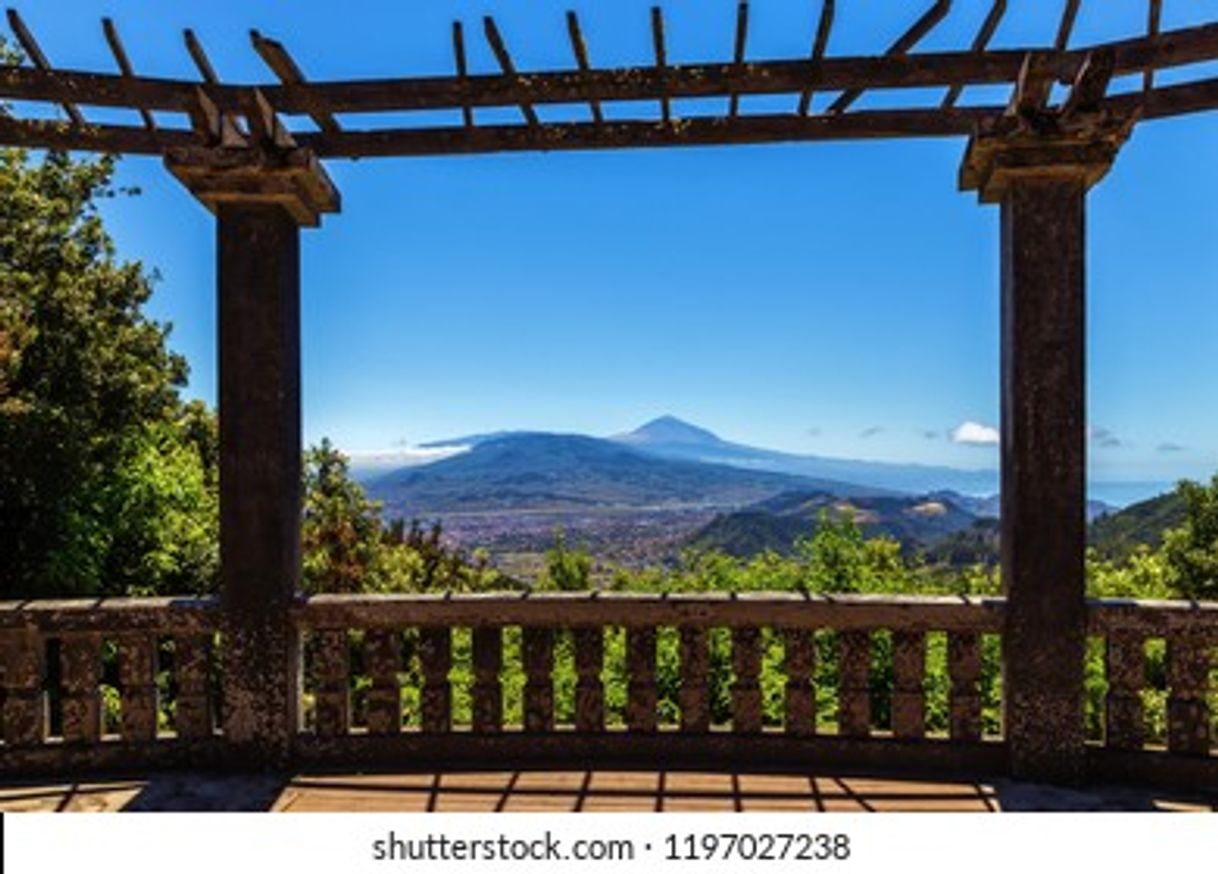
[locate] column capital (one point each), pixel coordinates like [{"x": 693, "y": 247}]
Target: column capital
[
  {"x": 292, "y": 177},
  {"x": 1043, "y": 145}
]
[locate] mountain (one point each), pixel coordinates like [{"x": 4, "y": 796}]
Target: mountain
[
  {"x": 533, "y": 471},
  {"x": 776, "y": 523},
  {"x": 670, "y": 437},
  {"x": 990, "y": 506},
  {"x": 1116, "y": 535}
]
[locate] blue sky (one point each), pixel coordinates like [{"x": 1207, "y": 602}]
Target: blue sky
[{"x": 837, "y": 299}]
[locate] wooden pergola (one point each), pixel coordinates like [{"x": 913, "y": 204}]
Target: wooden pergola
[{"x": 1035, "y": 157}]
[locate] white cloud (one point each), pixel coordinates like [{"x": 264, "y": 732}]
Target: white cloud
[
  {"x": 975, "y": 434},
  {"x": 402, "y": 456}
]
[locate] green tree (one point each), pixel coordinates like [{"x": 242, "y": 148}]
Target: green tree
[
  {"x": 1191, "y": 550},
  {"x": 106, "y": 475},
  {"x": 342, "y": 538}
]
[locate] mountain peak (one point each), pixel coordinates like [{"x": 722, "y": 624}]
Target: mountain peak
[{"x": 670, "y": 429}]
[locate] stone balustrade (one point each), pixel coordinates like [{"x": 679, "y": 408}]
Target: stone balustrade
[{"x": 407, "y": 680}]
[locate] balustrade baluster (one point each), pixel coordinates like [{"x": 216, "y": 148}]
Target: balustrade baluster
[
  {"x": 538, "y": 651},
  {"x": 746, "y": 690},
  {"x": 487, "y": 688},
  {"x": 435, "y": 662},
  {"x": 383, "y": 656},
  {"x": 192, "y": 712},
  {"x": 137, "y": 685},
  {"x": 80, "y": 658},
  {"x": 854, "y": 693},
  {"x": 641, "y": 683},
  {"x": 589, "y": 688},
  {"x": 964, "y": 670},
  {"x": 799, "y": 654},
  {"x": 693, "y": 696},
  {"x": 1188, "y": 714},
  {"x": 333, "y": 672},
  {"x": 908, "y": 692},
  {"x": 1125, "y": 666},
  {"x": 24, "y": 712}
]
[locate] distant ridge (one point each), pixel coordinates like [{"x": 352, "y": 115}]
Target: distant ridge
[{"x": 566, "y": 472}]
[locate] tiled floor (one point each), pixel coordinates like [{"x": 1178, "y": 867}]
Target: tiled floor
[{"x": 566, "y": 791}]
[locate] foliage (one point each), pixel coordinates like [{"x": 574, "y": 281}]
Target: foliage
[
  {"x": 106, "y": 475},
  {"x": 1191, "y": 550}
]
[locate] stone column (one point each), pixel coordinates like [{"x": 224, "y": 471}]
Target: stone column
[
  {"x": 261, "y": 196},
  {"x": 1040, "y": 175}
]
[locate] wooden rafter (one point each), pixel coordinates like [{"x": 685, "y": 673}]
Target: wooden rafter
[
  {"x": 580, "y": 49},
  {"x": 904, "y": 43},
  {"x": 980, "y": 43},
  {"x": 124, "y": 65},
  {"x": 276, "y": 57},
  {"x": 742, "y": 36},
  {"x": 657, "y": 39},
  {"x": 509, "y": 69},
  {"x": 467, "y": 113},
  {"x": 30, "y": 46},
  {"x": 823, "y": 27}
]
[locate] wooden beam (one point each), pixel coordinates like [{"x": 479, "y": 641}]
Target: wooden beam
[
  {"x": 742, "y": 35},
  {"x": 980, "y": 42},
  {"x": 1163, "y": 102},
  {"x": 657, "y": 40},
  {"x": 509, "y": 69},
  {"x": 904, "y": 43},
  {"x": 31, "y": 48},
  {"x": 823, "y": 26},
  {"x": 124, "y": 65},
  {"x": 930, "y": 69},
  {"x": 275, "y": 56},
  {"x": 580, "y": 49}
]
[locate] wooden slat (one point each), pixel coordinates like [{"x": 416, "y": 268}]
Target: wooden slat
[
  {"x": 383, "y": 656},
  {"x": 275, "y": 56},
  {"x": 908, "y": 690},
  {"x": 538, "y": 654},
  {"x": 1154, "y": 16},
  {"x": 742, "y": 35},
  {"x": 799, "y": 652},
  {"x": 1066, "y": 26},
  {"x": 467, "y": 113},
  {"x": 23, "y": 716},
  {"x": 487, "y": 689},
  {"x": 980, "y": 42},
  {"x": 80, "y": 662},
  {"x": 509, "y": 69},
  {"x": 1125, "y": 668},
  {"x": 641, "y": 692},
  {"x": 823, "y": 27},
  {"x": 746, "y": 690},
  {"x": 580, "y": 49},
  {"x": 137, "y": 685},
  {"x": 124, "y": 65},
  {"x": 854, "y": 679},
  {"x": 964, "y": 671},
  {"x": 904, "y": 43},
  {"x": 657, "y": 41},
  {"x": 192, "y": 708},
  {"x": 435, "y": 662},
  {"x": 589, "y": 687},
  {"x": 1188, "y": 715},
  {"x": 32, "y": 50},
  {"x": 694, "y": 695},
  {"x": 333, "y": 678}
]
